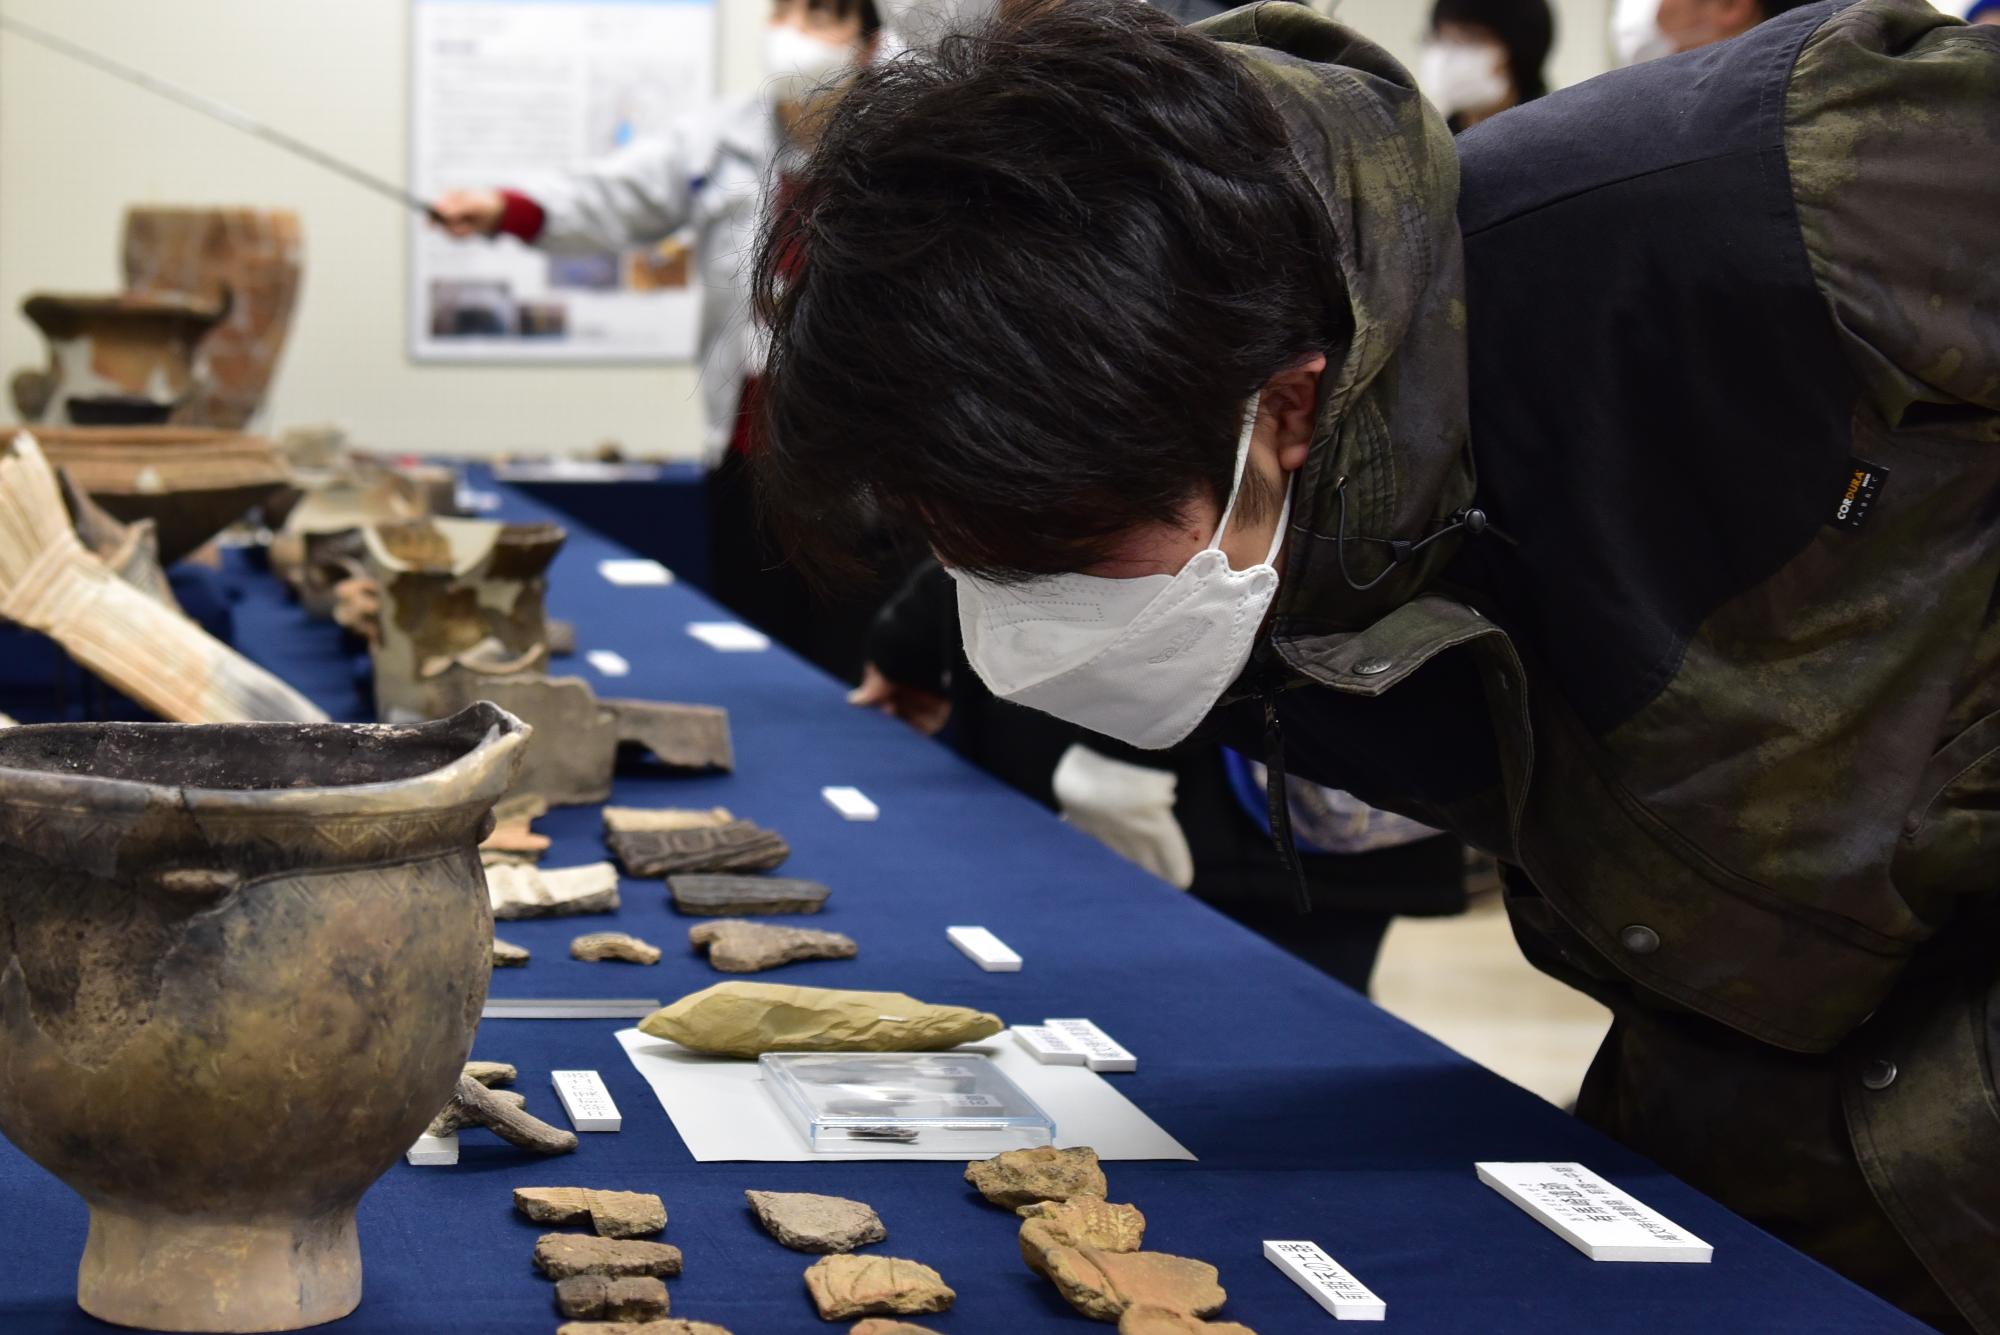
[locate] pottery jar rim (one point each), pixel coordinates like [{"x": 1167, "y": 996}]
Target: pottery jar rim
[{"x": 119, "y": 824}]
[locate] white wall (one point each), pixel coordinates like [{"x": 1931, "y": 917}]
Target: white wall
[{"x": 76, "y": 148}]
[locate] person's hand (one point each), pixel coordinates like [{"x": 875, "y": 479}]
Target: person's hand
[
  {"x": 926, "y": 711},
  {"x": 468, "y": 212}
]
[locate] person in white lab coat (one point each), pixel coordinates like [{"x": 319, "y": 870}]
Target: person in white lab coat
[{"x": 707, "y": 177}]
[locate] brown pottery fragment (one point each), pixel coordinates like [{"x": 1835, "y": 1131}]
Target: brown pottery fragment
[
  {"x": 1022, "y": 1177},
  {"x": 611, "y": 1214},
  {"x": 806, "y": 1222},
  {"x": 851, "y": 1286},
  {"x": 561, "y": 1255},
  {"x": 735, "y": 946}
]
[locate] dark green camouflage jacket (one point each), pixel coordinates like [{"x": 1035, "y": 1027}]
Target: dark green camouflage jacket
[{"x": 1720, "y": 677}]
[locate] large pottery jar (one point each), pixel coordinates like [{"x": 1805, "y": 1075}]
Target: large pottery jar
[{"x": 240, "y": 972}]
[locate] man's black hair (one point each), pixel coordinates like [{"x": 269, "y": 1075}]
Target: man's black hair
[
  {"x": 1525, "y": 28},
  {"x": 1024, "y": 287}
]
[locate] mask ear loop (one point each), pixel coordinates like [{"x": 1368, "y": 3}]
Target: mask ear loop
[
  {"x": 1473, "y": 522},
  {"x": 1236, "y": 493}
]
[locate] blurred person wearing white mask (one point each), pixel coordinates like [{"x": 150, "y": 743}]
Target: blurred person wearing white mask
[
  {"x": 1484, "y": 56},
  {"x": 1644, "y": 30},
  {"x": 704, "y": 181}
]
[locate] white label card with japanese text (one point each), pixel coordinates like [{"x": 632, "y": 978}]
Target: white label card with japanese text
[
  {"x": 587, "y": 1101},
  {"x": 1598, "y": 1219},
  {"x": 1327, "y": 1281}
]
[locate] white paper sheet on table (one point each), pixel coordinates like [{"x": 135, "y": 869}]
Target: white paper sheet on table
[{"x": 722, "y": 1112}]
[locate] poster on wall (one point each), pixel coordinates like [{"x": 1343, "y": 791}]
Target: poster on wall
[{"x": 507, "y": 91}]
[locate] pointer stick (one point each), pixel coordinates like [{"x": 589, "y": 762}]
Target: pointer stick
[{"x": 221, "y": 111}]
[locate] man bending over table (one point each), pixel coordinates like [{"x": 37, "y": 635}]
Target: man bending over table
[{"x": 1640, "y": 523}]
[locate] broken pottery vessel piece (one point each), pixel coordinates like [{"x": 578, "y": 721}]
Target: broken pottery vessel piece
[
  {"x": 491, "y": 1074},
  {"x": 1083, "y": 1221},
  {"x": 446, "y": 586},
  {"x": 50, "y": 583},
  {"x": 849, "y": 1286},
  {"x": 326, "y": 562},
  {"x": 256, "y": 257},
  {"x": 503, "y": 1113},
  {"x": 693, "y": 737},
  {"x": 663, "y": 818},
  {"x": 574, "y": 749},
  {"x": 562, "y": 638},
  {"x": 132, "y": 551},
  {"x": 739, "y": 846},
  {"x": 882, "y": 1325},
  {"x": 611, "y": 1214},
  {"x": 726, "y": 896},
  {"x": 228, "y": 1093},
  {"x": 191, "y": 482},
  {"x": 115, "y": 360},
  {"x": 806, "y": 1222},
  {"x": 670, "y": 1326},
  {"x": 615, "y": 946},
  {"x": 1101, "y": 1285},
  {"x": 749, "y": 1019},
  {"x": 561, "y": 1255},
  {"x": 1022, "y": 1177},
  {"x": 601, "y": 1298},
  {"x": 514, "y": 835},
  {"x": 735, "y": 946},
  {"x": 552, "y": 892},
  {"x": 456, "y": 1116},
  {"x": 507, "y": 955},
  {"x": 1161, "y": 1321}
]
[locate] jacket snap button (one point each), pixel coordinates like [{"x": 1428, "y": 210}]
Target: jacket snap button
[
  {"x": 1878, "y": 1074},
  {"x": 1372, "y": 667},
  {"x": 1639, "y": 940}
]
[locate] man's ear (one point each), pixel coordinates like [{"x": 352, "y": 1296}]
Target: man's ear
[{"x": 1291, "y": 400}]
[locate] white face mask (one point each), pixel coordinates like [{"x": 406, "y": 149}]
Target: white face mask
[
  {"x": 797, "y": 63},
  {"x": 1636, "y": 35},
  {"x": 1463, "y": 76},
  {"x": 1142, "y": 660}
]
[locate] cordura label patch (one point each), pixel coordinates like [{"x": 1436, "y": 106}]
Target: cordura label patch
[{"x": 1857, "y": 498}]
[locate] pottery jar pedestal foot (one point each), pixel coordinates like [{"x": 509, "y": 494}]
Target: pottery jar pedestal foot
[{"x": 158, "y": 1271}]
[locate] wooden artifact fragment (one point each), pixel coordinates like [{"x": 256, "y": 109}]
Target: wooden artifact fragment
[
  {"x": 740, "y": 845},
  {"x": 561, "y": 1255},
  {"x": 611, "y": 1214},
  {"x": 729, "y": 896},
  {"x": 601, "y": 1298},
  {"x": 806, "y": 1222},
  {"x": 845, "y": 1286},
  {"x": 49, "y": 583},
  {"x": 735, "y": 946},
  {"x": 614, "y": 946},
  {"x": 747, "y": 1019},
  {"x": 552, "y": 892},
  {"x": 1022, "y": 1177},
  {"x": 504, "y": 1115}
]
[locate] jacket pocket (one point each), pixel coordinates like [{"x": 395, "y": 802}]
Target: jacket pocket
[{"x": 1951, "y": 839}]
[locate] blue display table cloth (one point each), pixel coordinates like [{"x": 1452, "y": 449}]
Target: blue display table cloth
[{"x": 1315, "y": 1114}]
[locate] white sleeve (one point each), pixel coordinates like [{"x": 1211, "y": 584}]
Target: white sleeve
[{"x": 641, "y": 194}]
